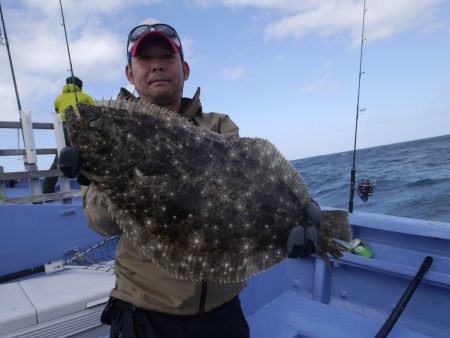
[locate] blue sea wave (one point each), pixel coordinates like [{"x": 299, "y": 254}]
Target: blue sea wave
[
  {"x": 412, "y": 178},
  {"x": 428, "y": 182}
]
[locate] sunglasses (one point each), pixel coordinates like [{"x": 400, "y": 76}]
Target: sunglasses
[{"x": 139, "y": 31}]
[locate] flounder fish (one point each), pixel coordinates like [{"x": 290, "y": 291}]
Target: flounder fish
[{"x": 198, "y": 204}]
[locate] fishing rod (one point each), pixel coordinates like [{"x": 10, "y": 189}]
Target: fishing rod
[
  {"x": 397, "y": 311},
  {"x": 68, "y": 52},
  {"x": 19, "y": 106},
  {"x": 365, "y": 186}
]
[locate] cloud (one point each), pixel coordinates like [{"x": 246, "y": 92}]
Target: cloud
[
  {"x": 279, "y": 57},
  {"x": 100, "y": 55},
  {"x": 326, "y": 67},
  {"x": 325, "y": 74},
  {"x": 187, "y": 47},
  {"x": 9, "y": 105},
  {"x": 81, "y": 8},
  {"x": 324, "y": 82},
  {"x": 39, "y": 52},
  {"x": 235, "y": 73},
  {"x": 325, "y": 18},
  {"x": 281, "y": 5}
]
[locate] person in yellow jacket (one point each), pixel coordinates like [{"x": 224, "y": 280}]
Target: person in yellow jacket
[
  {"x": 67, "y": 98},
  {"x": 62, "y": 102}
]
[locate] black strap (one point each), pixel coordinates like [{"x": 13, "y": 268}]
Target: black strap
[{"x": 201, "y": 311}]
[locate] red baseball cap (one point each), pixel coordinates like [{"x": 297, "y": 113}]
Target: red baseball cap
[{"x": 152, "y": 28}]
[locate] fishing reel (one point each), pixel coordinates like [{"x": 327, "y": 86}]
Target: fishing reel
[{"x": 365, "y": 188}]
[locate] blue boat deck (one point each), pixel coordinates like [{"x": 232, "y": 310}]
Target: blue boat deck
[
  {"x": 293, "y": 316},
  {"x": 281, "y": 303},
  {"x": 295, "y": 299}
]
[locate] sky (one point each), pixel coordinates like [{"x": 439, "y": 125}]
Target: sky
[{"x": 284, "y": 70}]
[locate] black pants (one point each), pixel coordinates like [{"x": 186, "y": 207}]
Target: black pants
[
  {"x": 50, "y": 182},
  {"x": 225, "y": 321}
]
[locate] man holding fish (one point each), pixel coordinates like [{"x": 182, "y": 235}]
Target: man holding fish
[{"x": 148, "y": 301}]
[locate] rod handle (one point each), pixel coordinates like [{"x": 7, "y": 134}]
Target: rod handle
[{"x": 397, "y": 311}]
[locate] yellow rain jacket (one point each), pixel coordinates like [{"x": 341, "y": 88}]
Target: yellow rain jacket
[{"x": 67, "y": 98}]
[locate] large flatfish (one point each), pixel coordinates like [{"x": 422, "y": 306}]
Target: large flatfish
[{"x": 198, "y": 204}]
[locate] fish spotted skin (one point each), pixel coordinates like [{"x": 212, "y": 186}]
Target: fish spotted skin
[{"x": 198, "y": 204}]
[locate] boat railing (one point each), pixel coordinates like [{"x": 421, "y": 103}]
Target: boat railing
[{"x": 31, "y": 172}]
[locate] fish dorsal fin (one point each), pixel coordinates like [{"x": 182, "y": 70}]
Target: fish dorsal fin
[
  {"x": 283, "y": 170},
  {"x": 147, "y": 108},
  {"x": 269, "y": 155}
]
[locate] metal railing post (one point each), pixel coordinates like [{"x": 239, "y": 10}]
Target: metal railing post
[
  {"x": 30, "y": 158},
  {"x": 2, "y": 186},
  {"x": 59, "y": 132},
  {"x": 64, "y": 183}
]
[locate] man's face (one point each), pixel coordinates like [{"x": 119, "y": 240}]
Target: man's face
[{"x": 158, "y": 74}]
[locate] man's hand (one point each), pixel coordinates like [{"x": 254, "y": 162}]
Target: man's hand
[
  {"x": 312, "y": 214},
  {"x": 69, "y": 164},
  {"x": 303, "y": 238}
]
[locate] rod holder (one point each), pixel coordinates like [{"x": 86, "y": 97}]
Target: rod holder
[
  {"x": 59, "y": 132},
  {"x": 60, "y": 139},
  {"x": 27, "y": 128}
]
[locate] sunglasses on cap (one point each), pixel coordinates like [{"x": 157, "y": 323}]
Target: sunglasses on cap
[{"x": 140, "y": 31}]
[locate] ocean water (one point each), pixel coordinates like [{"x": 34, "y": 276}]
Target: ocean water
[{"x": 412, "y": 178}]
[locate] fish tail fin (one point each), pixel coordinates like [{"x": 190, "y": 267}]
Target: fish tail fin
[
  {"x": 333, "y": 225},
  {"x": 325, "y": 258}
]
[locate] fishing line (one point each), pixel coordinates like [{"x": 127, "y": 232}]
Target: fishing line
[
  {"x": 19, "y": 106},
  {"x": 68, "y": 52},
  {"x": 365, "y": 186}
]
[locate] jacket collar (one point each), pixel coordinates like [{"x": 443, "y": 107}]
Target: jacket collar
[
  {"x": 189, "y": 107},
  {"x": 68, "y": 88}
]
